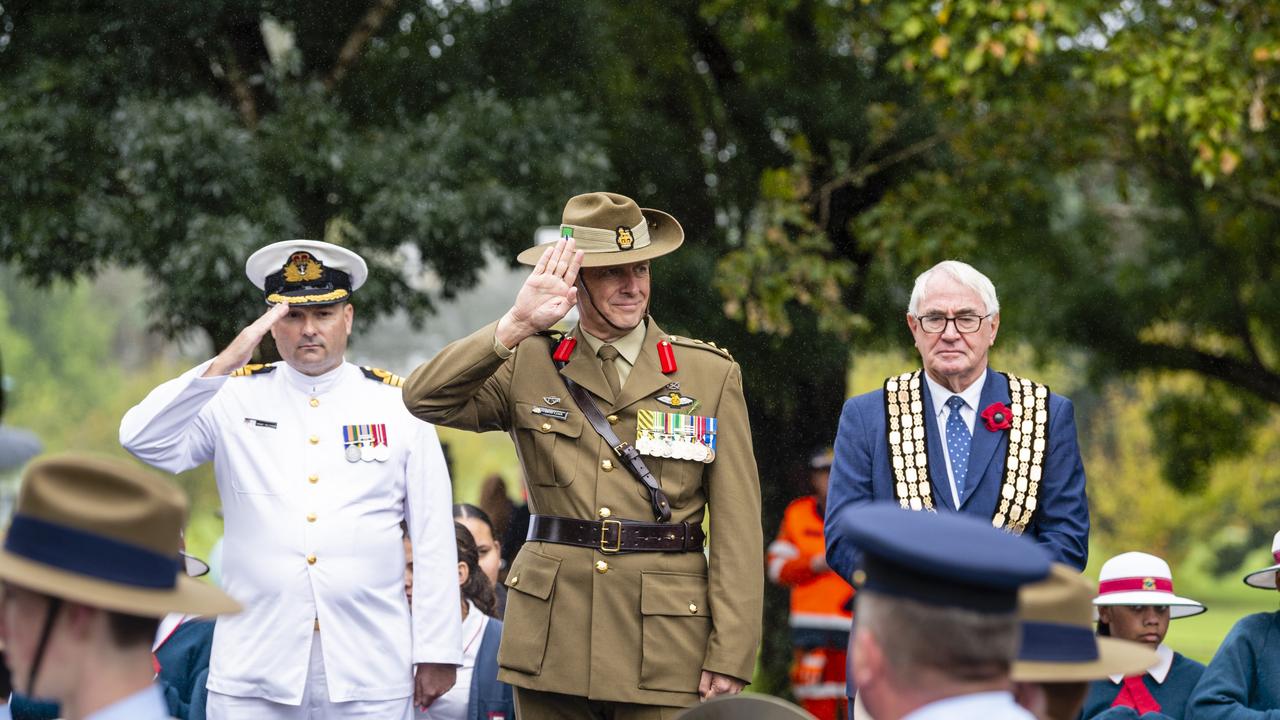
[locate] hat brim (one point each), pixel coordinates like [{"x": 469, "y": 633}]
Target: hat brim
[
  {"x": 1179, "y": 607},
  {"x": 188, "y": 595},
  {"x": 1115, "y": 657},
  {"x": 1264, "y": 579},
  {"x": 665, "y": 236}
]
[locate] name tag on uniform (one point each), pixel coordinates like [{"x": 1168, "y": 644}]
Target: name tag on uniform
[
  {"x": 551, "y": 412},
  {"x": 675, "y": 435},
  {"x": 254, "y": 422}
]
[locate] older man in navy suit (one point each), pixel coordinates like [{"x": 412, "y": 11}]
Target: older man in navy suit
[{"x": 959, "y": 436}]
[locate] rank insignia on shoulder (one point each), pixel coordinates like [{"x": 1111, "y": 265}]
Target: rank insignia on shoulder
[
  {"x": 382, "y": 376},
  {"x": 701, "y": 344},
  {"x": 255, "y": 369},
  {"x": 675, "y": 400}
]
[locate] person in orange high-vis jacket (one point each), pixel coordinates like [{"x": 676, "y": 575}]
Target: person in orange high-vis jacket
[{"x": 821, "y": 601}]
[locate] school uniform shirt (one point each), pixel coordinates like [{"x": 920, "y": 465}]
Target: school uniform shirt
[
  {"x": 1242, "y": 682},
  {"x": 453, "y": 704},
  {"x": 315, "y": 475},
  {"x": 1170, "y": 681}
]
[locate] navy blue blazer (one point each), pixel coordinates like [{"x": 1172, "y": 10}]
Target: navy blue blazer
[
  {"x": 862, "y": 473},
  {"x": 490, "y": 698}
]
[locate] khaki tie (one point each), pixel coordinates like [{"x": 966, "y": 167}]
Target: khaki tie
[{"x": 607, "y": 355}]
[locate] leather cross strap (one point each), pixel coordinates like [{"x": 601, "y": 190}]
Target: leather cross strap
[
  {"x": 629, "y": 455},
  {"x": 616, "y": 536}
]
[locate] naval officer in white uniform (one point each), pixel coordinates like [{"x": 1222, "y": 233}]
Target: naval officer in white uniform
[{"x": 317, "y": 462}]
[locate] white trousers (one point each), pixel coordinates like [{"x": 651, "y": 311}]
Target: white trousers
[{"x": 315, "y": 702}]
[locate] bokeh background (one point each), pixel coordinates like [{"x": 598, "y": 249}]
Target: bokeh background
[{"x": 1112, "y": 164}]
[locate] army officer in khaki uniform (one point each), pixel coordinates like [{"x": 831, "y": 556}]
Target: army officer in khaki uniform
[{"x": 613, "y": 608}]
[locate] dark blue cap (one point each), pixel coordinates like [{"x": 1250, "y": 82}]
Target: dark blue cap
[{"x": 947, "y": 559}]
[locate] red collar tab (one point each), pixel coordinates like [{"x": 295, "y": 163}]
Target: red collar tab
[
  {"x": 666, "y": 357},
  {"x": 564, "y": 349},
  {"x": 1136, "y": 584}
]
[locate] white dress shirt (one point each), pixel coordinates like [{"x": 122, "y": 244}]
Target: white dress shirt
[
  {"x": 147, "y": 704},
  {"x": 975, "y": 706},
  {"x": 1159, "y": 671},
  {"x": 971, "y": 395},
  {"x": 311, "y": 536}
]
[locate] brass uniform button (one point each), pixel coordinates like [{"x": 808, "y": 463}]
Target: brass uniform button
[
  {"x": 315, "y": 440},
  {"x": 604, "y": 512},
  {"x": 311, "y": 559},
  {"x": 315, "y": 402},
  {"x": 515, "y": 580},
  {"x": 602, "y": 567},
  {"x": 693, "y": 608},
  {"x": 606, "y": 465},
  {"x": 317, "y": 625},
  {"x": 313, "y": 479},
  {"x": 311, "y": 517},
  {"x": 613, "y": 419},
  {"x": 546, "y": 427}
]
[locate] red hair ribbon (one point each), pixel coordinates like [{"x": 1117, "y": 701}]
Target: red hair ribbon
[
  {"x": 564, "y": 349},
  {"x": 666, "y": 358},
  {"x": 1135, "y": 584}
]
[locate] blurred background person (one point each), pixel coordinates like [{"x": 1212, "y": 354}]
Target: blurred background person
[
  {"x": 478, "y": 694},
  {"x": 1136, "y": 602},
  {"x": 489, "y": 548},
  {"x": 1242, "y": 681},
  {"x": 821, "y": 600},
  {"x": 1059, "y": 653}
]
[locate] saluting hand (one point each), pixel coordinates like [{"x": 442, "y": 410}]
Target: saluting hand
[
  {"x": 430, "y": 681},
  {"x": 714, "y": 684},
  {"x": 240, "y": 351},
  {"x": 546, "y": 296}
]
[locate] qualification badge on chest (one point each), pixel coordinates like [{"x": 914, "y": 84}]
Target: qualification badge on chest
[
  {"x": 674, "y": 435},
  {"x": 366, "y": 443}
]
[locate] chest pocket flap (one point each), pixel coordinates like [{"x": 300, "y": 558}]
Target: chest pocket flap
[{"x": 538, "y": 435}]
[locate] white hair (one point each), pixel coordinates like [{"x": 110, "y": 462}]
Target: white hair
[{"x": 963, "y": 273}]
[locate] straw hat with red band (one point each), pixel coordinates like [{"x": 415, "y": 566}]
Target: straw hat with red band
[
  {"x": 611, "y": 229},
  {"x": 1136, "y": 578},
  {"x": 1266, "y": 577}
]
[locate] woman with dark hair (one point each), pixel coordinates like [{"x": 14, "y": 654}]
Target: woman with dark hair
[
  {"x": 481, "y": 527},
  {"x": 477, "y": 694}
]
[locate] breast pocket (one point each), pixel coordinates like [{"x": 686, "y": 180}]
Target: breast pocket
[
  {"x": 530, "y": 591},
  {"x": 247, "y": 441},
  {"x": 539, "y": 435},
  {"x": 675, "y": 624}
]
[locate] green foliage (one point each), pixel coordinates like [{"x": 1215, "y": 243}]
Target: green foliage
[{"x": 193, "y": 146}]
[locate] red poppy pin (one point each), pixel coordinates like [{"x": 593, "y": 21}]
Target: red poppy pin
[{"x": 997, "y": 416}]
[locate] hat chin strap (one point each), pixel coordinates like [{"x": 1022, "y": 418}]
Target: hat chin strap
[
  {"x": 50, "y": 617},
  {"x": 623, "y": 330}
]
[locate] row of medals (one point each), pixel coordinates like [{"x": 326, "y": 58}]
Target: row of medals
[
  {"x": 680, "y": 447},
  {"x": 1025, "y": 462},
  {"x": 367, "y": 452}
]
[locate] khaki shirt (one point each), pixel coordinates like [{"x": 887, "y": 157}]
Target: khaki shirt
[{"x": 636, "y": 627}]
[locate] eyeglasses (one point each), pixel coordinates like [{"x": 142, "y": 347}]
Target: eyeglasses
[{"x": 965, "y": 324}]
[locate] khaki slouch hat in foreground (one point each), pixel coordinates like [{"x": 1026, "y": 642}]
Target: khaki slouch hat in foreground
[
  {"x": 1058, "y": 640},
  {"x": 611, "y": 229},
  {"x": 105, "y": 533}
]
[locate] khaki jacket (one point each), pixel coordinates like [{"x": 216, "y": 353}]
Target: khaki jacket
[{"x": 636, "y": 627}]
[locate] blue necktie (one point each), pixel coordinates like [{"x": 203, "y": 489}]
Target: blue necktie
[{"x": 958, "y": 442}]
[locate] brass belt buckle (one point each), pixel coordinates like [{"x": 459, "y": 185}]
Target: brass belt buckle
[{"x": 604, "y": 530}]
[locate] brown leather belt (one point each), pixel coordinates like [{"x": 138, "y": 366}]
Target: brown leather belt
[{"x": 617, "y": 536}]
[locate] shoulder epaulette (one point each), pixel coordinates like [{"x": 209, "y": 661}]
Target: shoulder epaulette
[
  {"x": 702, "y": 344},
  {"x": 382, "y": 376},
  {"x": 255, "y": 369}
]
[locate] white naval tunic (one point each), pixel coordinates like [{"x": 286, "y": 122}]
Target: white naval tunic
[{"x": 311, "y": 536}]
